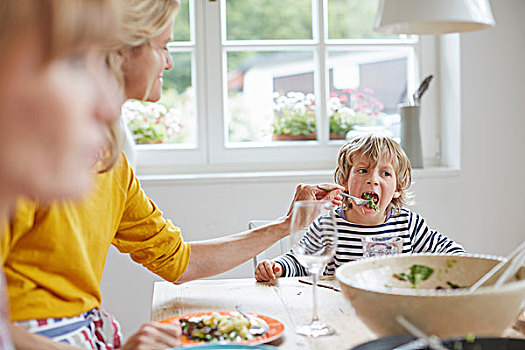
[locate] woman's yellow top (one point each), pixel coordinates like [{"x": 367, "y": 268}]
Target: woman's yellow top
[{"x": 54, "y": 254}]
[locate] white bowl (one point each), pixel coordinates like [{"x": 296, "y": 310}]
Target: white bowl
[{"x": 378, "y": 297}]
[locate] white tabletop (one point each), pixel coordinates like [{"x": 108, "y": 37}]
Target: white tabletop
[{"x": 287, "y": 300}]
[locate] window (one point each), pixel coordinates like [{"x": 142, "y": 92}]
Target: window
[{"x": 276, "y": 85}]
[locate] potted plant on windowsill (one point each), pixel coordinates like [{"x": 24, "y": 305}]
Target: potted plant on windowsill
[
  {"x": 352, "y": 107},
  {"x": 294, "y": 117},
  {"x": 294, "y": 114},
  {"x": 150, "y": 123}
]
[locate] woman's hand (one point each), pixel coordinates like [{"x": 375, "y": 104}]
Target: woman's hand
[
  {"x": 268, "y": 270},
  {"x": 305, "y": 192},
  {"x": 153, "y": 336}
]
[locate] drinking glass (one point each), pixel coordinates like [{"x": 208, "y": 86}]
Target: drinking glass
[
  {"x": 381, "y": 245},
  {"x": 314, "y": 253}
]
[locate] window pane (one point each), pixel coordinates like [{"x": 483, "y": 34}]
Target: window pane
[
  {"x": 365, "y": 89},
  {"x": 353, "y": 19},
  {"x": 268, "y": 19},
  {"x": 181, "y": 29},
  {"x": 270, "y": 94},
  {"x": 172, "y": 119}
]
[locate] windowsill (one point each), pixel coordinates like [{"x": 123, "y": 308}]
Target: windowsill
[{"x": 277, "y": 176}]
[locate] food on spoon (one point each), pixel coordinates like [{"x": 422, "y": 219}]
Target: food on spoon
[
  {"x": 372, "y": 204},
  {"x": 418, "y": 273},
  {"x": 219, "y": 328}
]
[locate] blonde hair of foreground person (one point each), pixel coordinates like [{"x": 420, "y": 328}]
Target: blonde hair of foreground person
[
  {"x": 52, "y": 113},
  {"x": 63, "y": 27}
]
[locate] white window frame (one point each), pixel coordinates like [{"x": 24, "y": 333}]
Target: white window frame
[{"x": 211, "y": 155}]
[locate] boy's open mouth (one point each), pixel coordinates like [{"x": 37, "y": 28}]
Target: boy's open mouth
[{"x": 370, "y": 195}]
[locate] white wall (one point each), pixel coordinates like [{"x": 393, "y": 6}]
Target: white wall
[{"x": 492, "y": 166}]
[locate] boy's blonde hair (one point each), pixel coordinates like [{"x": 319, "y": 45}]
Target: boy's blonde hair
[{"x": 375, "y": 147}]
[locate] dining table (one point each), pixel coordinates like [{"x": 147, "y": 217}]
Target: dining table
[{"x": 287, "y": 300}]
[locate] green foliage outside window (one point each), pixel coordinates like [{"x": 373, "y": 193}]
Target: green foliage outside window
[{"x": 260, "y": 20}]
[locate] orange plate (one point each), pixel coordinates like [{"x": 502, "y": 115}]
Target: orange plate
[{"x": 275, "y": 331}]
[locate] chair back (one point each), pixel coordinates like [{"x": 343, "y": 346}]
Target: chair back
[{"x": 273, "y": 251}]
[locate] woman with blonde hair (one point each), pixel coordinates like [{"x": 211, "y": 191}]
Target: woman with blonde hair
[
  {"x": 53, "y": 115},
  {"x": 119, "y": 213}
]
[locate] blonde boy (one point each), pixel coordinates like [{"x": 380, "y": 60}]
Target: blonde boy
[{"x": 376, "y": 167}]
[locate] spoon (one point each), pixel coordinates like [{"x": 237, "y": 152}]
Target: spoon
[
  {"x": 421, "y": 90},
  {"x": 431, "y": 341},
  {"x": 255, "y": 328},
  {"x": 358, "y": 201},
  {"x": 512, "y": 260}
]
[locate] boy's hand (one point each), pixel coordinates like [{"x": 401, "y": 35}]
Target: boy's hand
[{"x": 268, "y": 270}]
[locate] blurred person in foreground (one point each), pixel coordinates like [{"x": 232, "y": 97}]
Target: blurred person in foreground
[
  {"x": 59, "y": 104},
  {"x": 52, "y": 116},
  {"x": 59, "y": 285}
]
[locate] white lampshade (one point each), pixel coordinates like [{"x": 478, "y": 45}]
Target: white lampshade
[{"x": 433, "y": 16}]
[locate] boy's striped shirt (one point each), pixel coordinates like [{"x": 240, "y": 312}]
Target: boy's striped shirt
[{"x": 417, "y": 238}]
